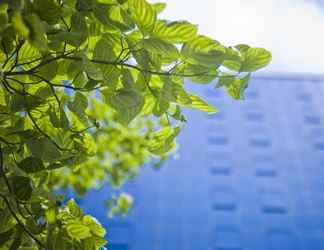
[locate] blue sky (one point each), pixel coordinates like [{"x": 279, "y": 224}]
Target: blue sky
[{"x": 292, "y": 29}]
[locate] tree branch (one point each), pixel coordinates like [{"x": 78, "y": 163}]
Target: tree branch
[
  {"x": 20, "y": 222},
  {"x": 6, "y": 200}
]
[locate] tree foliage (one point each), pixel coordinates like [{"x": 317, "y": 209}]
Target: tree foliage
[{"x": 90, "y": 91}]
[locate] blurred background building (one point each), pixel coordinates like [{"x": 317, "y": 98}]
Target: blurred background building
[{"x": 248, "y": 178}]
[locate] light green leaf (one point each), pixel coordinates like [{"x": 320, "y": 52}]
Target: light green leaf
[
  {"x": 124, "y": 203},
  {"x": 160, "y": 47},
  {"x": 162, "y": 141},
  {"x": 28, "y": 53},
  {"x": 49, "y": 70},
  {"x": 101, "y": 12},
  {"x": 200, "y": 73},
  {"x": 50, "y": 215},
  {"x": 120, "y": 18},
  {"x": 143, "y": 13},
  {"x": 233, "y": 59},
  {"x": 95, "y": 227},
  {"x": 175, "y": 32},
  {"x": 59, "y": 120},
  {"x": 198, "y": 103},
  {"x": 76, "y": 230},
  {"x": 235, "y": 86},
  {"x": 36, "y": 32},
  {"x": 159, "y": 7},
  {"x": 74, "y": 68},
  {"x": 104, "y": 51},
  {"x": 74, "y": 209},
  {"x": 254, "y": 59},
  {"x": 80, "y": 80},
  {"x": 19, "y": 25},
  {"x": 128, "y": 103},
  {"x": 78, "y": 107},
  {"x": 204, "y": 51}
]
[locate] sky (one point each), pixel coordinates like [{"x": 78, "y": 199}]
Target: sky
[{"x": 293, "y": 30}]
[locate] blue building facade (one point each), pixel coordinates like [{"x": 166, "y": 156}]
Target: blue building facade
[{"x": 249, "y": 178}]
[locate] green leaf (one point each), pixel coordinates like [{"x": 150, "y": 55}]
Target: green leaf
[
  {"x": 22, "y": 187},
  {"x": 80, "y": 80},
  {"x": 49, "y": 70},
  {"x": 74, "y": 69},
  {"x": 198, "y": 103},
  {"x": 101, "y": 12},
  {"x": 79, "y": 25},
  {"x": 162, "y": 141},
  {"x": 51, "y": 215},
  {"x": 159, "y": 7},
  {"x": 161, "y": 106},
  {"x": 74, "y": 209},
  {"x": 204, "y": 51},
  {"x": 235, "y": 86},
  {"x": 73, "y": 38},
  {"x": 43, "y": 148},
  {"x": 127, "y": 79},
  {"x": 95, "y": 227},
  {"x": 31, "y": 165},
  {"x": 143, "y": 13},
  {"x": 233, "y": 59},
  {"x": 181, "y": 96},
  {"x": 104, "y": 52},
  {"x": 254, "y": 59},
  {"x": 3, "y": 16},
  {"x": 78, "y": 107},
  {"x": 36, "y": 32},
  {"x": 27, "y": 53},
  {"x": 120, "y": 18},
  {"x": 160, "y": 47},
  {"x": 76, "y": 230},
  {"x": 200, "y": 73},
  {"x": 128, "y": 103},
  {"x": 175, "y": 32},
  {"x": 58, "y": 120},
  {"x": 124, "y": 203},
  {"x": 19, "y": 25},
  {"x": 47, "y": 10}
]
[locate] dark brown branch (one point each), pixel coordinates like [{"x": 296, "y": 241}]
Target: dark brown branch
[
  {"x": 119, "y": 63},
  {"x": 62, "y": 85},
  {"x": 19, "y": 45}
]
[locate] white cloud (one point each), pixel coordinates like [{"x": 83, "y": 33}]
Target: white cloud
[{"x": 292, "y": 29}]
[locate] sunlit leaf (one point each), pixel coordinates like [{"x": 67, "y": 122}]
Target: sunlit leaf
[
  {"x": 143, "y": 13},
  {"x": 175, "y": 32}
]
